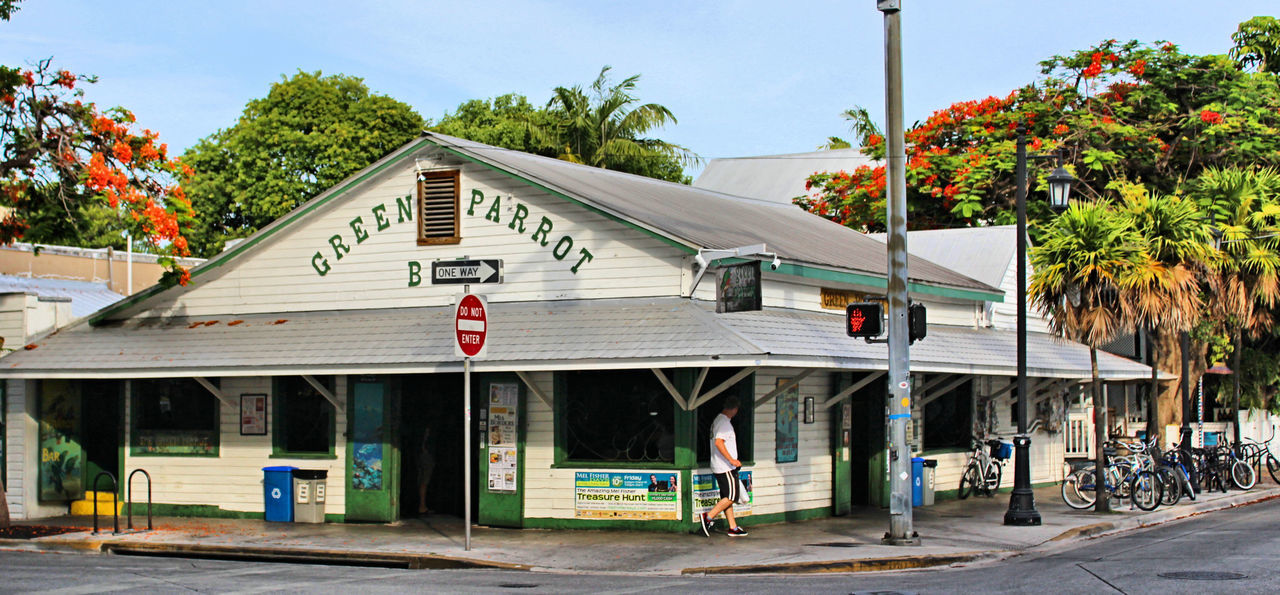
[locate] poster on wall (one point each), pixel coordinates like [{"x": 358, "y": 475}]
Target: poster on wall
[
  {"x": 633, "y": 496},
  {"x": 253, "y": 415},
  {"x": 787, "y": 433},
  {"x": 61, "y": 457},
  {"x": 504, "y": 456},
  {"x": 366, "y": 441},
  {"x": 706, "y": 493}
]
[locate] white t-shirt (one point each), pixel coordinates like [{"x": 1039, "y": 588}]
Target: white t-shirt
[{"x": 722, "y": 429}]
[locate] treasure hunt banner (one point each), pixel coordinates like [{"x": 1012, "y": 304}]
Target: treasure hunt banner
[
  {"x": 706, "y": 493},
  {"x": 635, "y": 496}
]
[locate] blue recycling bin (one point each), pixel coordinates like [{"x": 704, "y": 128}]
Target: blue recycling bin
[
  {"x": 917, "y": 481},
  {"x": 277, "y": 491}
]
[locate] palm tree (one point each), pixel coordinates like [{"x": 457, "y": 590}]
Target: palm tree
[
  {"x": 1086, "y": 262},
  {"x": 1245, "y": 281},
  {"x": 604, "y": 128},
  {"x": 1166, "y": 291}
]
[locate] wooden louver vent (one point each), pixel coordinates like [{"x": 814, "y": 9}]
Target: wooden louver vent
[{"x": 438, "y": 207}]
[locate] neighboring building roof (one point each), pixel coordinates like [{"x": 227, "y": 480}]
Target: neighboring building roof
[
  {"x": 959, "y": 249},
  {"x": 697, "y": 218},
  {"x": 776, "y": 178},
  {"x": 86, "y": 298},
  {"x": 524, "y": 336}
]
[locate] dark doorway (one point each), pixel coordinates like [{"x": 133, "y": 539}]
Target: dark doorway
[
  {"x": 434, "y": 401},
  {"x": 101, "y": 431},
  {"x": 866, "y": 448}
]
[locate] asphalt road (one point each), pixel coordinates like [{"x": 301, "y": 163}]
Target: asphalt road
[{"x": 1242, "y": 546}]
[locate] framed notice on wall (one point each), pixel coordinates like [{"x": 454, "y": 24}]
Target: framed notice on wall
[{"x": 253, "y": 415}]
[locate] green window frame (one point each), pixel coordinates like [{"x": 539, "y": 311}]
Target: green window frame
[
  {"x": 174, "y": 417},
  {"x": 301, "y": 415}
]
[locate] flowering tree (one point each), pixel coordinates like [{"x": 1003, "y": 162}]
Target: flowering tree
[
  {"x": 66, "y": 167},
  {"x": 1122, "y": 112}
]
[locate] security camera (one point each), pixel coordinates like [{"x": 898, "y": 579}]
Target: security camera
[
  {"x": 773, "y": 266},
  {"x": 422, "y": 176}
]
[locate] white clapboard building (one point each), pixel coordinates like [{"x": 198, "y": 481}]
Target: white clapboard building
[{"x": 325, "y": 342}]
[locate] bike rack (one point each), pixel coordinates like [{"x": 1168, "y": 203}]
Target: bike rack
[
  {"x": 115, "y": 488},
  {"x": 129, "y": 498}
]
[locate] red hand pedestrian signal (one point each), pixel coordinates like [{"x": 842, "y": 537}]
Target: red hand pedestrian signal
[{"x": 863, "y": 319}]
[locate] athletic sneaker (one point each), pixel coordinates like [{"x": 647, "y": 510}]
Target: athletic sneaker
[
  {"x": 706, "y": 525},
  {"x": 737, "y": 532}
]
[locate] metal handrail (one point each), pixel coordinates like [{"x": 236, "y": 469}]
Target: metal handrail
[
  {"x": 129, "y": 497},
  {"x": 115, "y": 488}
]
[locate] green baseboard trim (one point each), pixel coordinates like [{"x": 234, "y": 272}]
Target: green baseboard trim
[
  {"x": 194, "y": 510},
  {"x": 208, "y": 511},
  {"x": 673, "y": 526}
]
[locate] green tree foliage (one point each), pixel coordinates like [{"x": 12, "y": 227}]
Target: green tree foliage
[
  {"x": 309, "y": 132},
  {"x": 1258, "y": 44},
  {"x": 601, "y": 126},
  {"x": 1122, "y": 112},
  {"x": 506, "y": 121}
]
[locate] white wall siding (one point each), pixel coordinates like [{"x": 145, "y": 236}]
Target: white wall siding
[
  {"x": 18, "y": 429},
  {"x": 806, "y": 483},
  {"x": 233, "y": 479},
  {"x": 278, "y": 275}
]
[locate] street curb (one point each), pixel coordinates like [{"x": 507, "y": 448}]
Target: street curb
[
  {"x": 411, "y": 561},
  {"x": 867, "y": 565},
  {"x": 1163, "y": 516}
]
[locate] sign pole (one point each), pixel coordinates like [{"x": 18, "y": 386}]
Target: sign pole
[{"x": 466, "y": 441}]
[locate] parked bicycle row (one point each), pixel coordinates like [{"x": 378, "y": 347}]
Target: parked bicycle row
[{"x": 1146, "y": 477}]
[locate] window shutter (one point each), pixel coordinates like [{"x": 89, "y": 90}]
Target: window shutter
[{"x": 438, "y": 193}]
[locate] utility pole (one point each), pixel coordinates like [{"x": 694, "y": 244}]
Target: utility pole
[{"x": 901, "y": 531}]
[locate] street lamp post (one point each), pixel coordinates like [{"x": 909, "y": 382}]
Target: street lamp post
[{"x": 1022, "y": 502}]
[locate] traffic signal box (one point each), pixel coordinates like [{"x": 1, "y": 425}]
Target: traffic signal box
[{"x": 866, "y": 319}]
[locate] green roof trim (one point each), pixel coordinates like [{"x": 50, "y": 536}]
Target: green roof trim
[
  {"x": 821, "y": 274},
  {"x": 270, "y": 230}
]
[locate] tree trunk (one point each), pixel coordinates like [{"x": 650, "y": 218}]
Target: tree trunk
[
  {"x": 1102, "y": 500},
  {"x": 1169, "y": 359}
]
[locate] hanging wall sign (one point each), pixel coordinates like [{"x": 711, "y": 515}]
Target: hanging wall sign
[{"x": 738, "y": 288}]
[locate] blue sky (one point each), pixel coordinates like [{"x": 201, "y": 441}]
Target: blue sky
[{"x": 742, "y": 77}]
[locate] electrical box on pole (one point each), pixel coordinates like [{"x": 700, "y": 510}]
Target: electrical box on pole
[{"x": 917, "y": 326}]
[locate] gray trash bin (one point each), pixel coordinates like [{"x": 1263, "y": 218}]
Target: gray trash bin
[
  {"x": 930, "y": 469},
  {"x": 309, "y": 495}
]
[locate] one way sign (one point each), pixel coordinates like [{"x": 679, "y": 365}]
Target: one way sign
[{"x": 457, "y": 272}]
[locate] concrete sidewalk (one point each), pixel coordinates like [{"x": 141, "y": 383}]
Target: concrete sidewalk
[{"x": 952, "y": 532}]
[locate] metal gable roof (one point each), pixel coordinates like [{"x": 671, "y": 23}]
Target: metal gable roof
[
  {"x": 526, "y": 336},
  {"x": 699, "y": 218},
  {"x": 86, "y": 297},
  {"x": 776, "y": 178}
]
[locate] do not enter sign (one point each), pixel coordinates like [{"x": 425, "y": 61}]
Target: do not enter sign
[{"x": 471, "y": 326}]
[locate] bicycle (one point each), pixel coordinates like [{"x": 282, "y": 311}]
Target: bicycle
[
  {"x": 983, "y": 471},
  {"x": 1125, "y": 477},
  {"x": 1255, "y": 453}
]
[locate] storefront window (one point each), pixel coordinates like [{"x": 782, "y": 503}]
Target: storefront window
[
  {"x": 623, "y": 416},
  {"x": 743, "y": 422},
  {"x": 948, "y": 420},
  {"x": 304, "y": 419},
  {"x": 174, "y": 416}
]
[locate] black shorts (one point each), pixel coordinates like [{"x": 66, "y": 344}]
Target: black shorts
[{"x": 728, "y": 483}]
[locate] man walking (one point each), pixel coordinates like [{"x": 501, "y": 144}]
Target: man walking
[{"x": 725, "y": 466}]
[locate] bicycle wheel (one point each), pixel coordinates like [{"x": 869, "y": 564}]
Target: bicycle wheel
[
  {"x": 1171, "y": 486},
  {"x": 1273, "y": 467},
  {"x": 994, "y": 471},
  {"x": 1077, "y": 489},
  {"x": 969, "y": 480},
  {"x": 1242, "y": 475},
  {"x": 1145, "y": 491}
]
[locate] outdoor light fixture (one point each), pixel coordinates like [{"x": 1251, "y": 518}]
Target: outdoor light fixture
[{"x": 1060, "y": 187}]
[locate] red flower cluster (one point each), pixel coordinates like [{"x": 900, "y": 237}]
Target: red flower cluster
[
  {"x": 1061, "y": 129},
  {"x": 29, "y": 77},
  {"x": 1210, "y": 117},
  {"x": 1138, "y": 68},
  {"x": 66, "y": 79}
]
